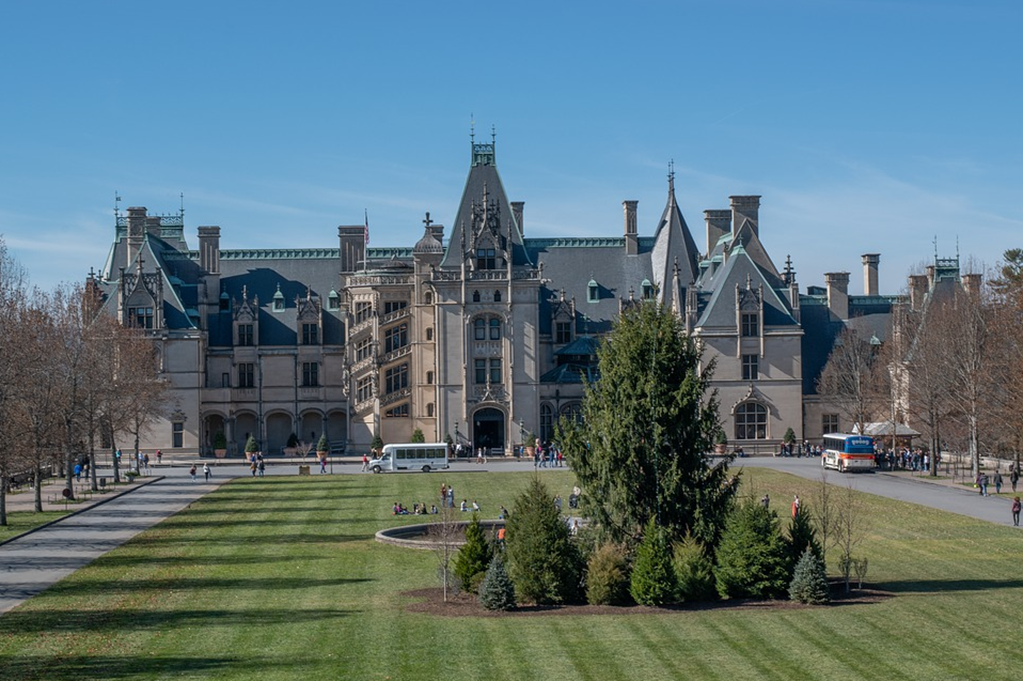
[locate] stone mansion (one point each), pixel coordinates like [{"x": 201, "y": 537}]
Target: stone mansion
[{"x": 478, "y": 331}]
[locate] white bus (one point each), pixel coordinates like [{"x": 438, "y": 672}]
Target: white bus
[
  {"x": 422, "y": 456},
  {"x": 845, "y": 452}
]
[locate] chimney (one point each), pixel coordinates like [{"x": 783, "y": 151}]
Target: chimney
[
  {"x": 744, "y": 208},
  {"x": 870, "y": 261},
  {"x": 136, "y": 231},
  {"x": 719, "y": 223},
  {"x": 352, "y": 240},
  {"x": 917, "y": 284},
  {"x": 629, "y": 209},
  {"x": 153, "y": 225},
  {"x": 930, "y": 270},
  {"x": 517, "y": 213},
  {"x": 438, "y": 231},
  {"x": 209, "y": 249},
  {"x": 837, "y": 284},
  {"x": 971, "y": 284}
]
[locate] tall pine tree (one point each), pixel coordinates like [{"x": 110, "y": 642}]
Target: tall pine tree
[{"x": 648, "y": 425}]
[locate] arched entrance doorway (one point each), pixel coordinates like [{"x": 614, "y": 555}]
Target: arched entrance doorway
[{"x": 489, "y": 431}]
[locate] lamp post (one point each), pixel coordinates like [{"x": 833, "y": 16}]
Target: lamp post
[
  {"x": 456, "y": 434},
  {"x": 522, "y": 438}
]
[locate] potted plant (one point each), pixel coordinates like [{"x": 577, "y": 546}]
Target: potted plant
[
  {"x": 251, "y": 447},
  {"x": 322, "y": 447},
  {"x": 530, "y": 445},
  {"x": 376, "y": 445},
  {"x": 292, "y": 446},
  {"x": 720, "y": 442},
  {"x": 220, "y": 445}
]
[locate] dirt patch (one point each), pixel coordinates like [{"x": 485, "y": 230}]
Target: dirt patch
[{"x": 431, "y": 601}]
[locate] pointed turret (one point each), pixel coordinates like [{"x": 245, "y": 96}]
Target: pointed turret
[{"x": 673, "y": 243}]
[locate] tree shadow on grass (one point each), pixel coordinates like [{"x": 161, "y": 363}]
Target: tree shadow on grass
[
  {"x": 124, "y": 560},
  {"x": 28, "y": 621},
  {"x": 944, "y": 585},
  {"x": 104, "y": 587},
  {"x": 275, "y": 539},
  {"x": 76, "y": 668}
]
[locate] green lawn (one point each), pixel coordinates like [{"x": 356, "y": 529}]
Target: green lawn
[
  {"x": 20, "y": 522},
  {"x": 280, "y": 578}
]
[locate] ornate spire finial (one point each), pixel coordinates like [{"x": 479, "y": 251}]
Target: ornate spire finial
[
  {"x": 472, "y": 129},
  {"x": 671, "y": 175}
]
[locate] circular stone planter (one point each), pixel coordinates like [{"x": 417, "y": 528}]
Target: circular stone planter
[{"x": 418, "y": 536}]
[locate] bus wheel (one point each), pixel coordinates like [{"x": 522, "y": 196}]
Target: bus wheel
[
  {"x": 376, "y": 469},
  {"x": 426, "y": 469}
]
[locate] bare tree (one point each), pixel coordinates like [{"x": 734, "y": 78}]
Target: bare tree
[
  {"x": 141, "y": 392},
  {"x": 824, "y": 514},
  {"x": 446, "y": 535},
  {"x": 1002, "y": 418},
  {"x": 13, "y": 282},
  {"x": 850, "y": 378},
  {"x": 851, "y": 528}
]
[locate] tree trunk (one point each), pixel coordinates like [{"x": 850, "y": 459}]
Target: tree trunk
[
  {"x": 37, "y": 478},
  {"x": 3, "y": 499}
]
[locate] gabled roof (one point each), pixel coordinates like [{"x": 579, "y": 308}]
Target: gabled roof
[{"x": 739, "y": 269}]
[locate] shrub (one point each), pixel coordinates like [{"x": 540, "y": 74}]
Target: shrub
[
  {"x": 293, "y": 440},
  {"x": 474, "y": 556},
  {"x": 653, "y": 581},
  {"x": 417, "y": 436},
  {"x": 323, "y": 445},
  {"x": 219, "y": 440},
  {"x": 694, "y": 571},
  {"x": 810, "y": 585},
  {"x": 250, "y": 445},
  {"x": 543, "y": 562},
  {"x": 377, "y": 444},
  {"x": 497, "y": 591},
  {"x": 752, "y": 558},
  {"x": 608, "y": 576}
]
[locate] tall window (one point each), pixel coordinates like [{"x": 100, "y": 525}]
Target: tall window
[
  {"x": 430, "y": 333},
  {"x": 547, "y": 422},
  {"x": 497, "y": 296},
  {"x": 479, "y": 329},
  {"x": 396, "y": 378},
  {"x": 563, "y": 332},
  {"x": 363, "y": 312},
  {"x": 750, "y": 367},
  {"x": 364, "y": 389},
  {"x": 830, "y": 423},
  {"x": 430, "y": 378},
  {"x": 396, "y": 337},
  {"x": 494, "y": 327},
  {"x": 177, "y": 435},
  {"x": 485, "y": 370},
  {"x": 751, "y": 421},
  {"x": 476, "y": 296},
  {"x": 748, "y": 324},
  {"x": 310, "y": 334},
  {"x": 245, "y": 334},
  {"x": 486, "y": 259},
  {"x": 430, "y": 409},
  {"x": 246, "y": 375},
  {"x": 364, "y": 349},
  {"x": 140, "y": 317},
  {"x": 310, "y": 374}
]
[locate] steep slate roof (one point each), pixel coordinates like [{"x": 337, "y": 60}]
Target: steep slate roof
[
  {"x": 483, "y": 180},
  {"x": 673, "y": 244},
  {"x": 720, "y": 310}
]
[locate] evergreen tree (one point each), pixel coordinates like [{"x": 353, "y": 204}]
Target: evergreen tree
[
  {"x": 250, "y": 445},
  {"x": 810, "y": 585},
  {"x": 608, "y": 576},
  {"x": 497, "y": 591},
  {"x": 474, "y": 556},
  {"x": 653, "y": 581},
  {"x": 543, "y": 562},
  {"x": 417, "y": 436},
  {"x": 802, "y": 537},
  {"x": 694, "y": 571},
  {"x": 752, "y": 557},
  {"x": 643, "y": 446}
]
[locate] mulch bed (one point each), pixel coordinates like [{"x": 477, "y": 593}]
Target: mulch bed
[{"x": 431, "y": 601}]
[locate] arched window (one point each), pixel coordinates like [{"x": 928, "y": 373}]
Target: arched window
[
  {"x": 428, "y": 298},
  {"x": 430, "y": 409},
  {"x": 497, "y": 296},
  {"x": 751, "y": 421},
  {"x": 495, "y": 326},
  {"x": 476, "y": 296},
  {"x": 479, "y": 329}
]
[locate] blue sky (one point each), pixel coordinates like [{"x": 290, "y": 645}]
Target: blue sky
[{"x": 866, "y": 126}]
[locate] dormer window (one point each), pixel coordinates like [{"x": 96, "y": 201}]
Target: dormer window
[
  {"x": 225, "y": 302},
  {"x": 593, "y": 292},
  {"x": 277, "y": 305},
  {"x": 333, "y": 300},
  {"x": 647, "y": 288},
  {"x": 486, "y": 259}
]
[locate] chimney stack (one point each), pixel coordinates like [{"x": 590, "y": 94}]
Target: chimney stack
[
  {"x": 837, "y": 285},
  {"x": 870, "y": 261},
  {"x": 136, "y": 232},
  {"x": 209, "y": 249},
  {"x": 352, "y": 240},
  {"x": 971, "y": 283},
  {"x": 744, "y": 208},
  {"x": 917, "y": 284},
  {"x": 629, "y": 209},
  {"x": 719, "y": 223}
]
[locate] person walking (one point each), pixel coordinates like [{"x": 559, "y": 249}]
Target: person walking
[
  {"x": 261, "y": 467},
  {"x": 983, "y": 484},
  {"x": 1015, "y": 510},
  {"x": 1014, "y": 477},
  {"x": 206, "y": 471},
  {"x": 796, "y": 505},
  {"x": 366, "y": 463},
  {"x": 192, "y": 472},
  {"x": 997, "y": 480}
]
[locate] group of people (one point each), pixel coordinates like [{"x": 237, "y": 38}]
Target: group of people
[
  {"x": 548, "y": 455},
  {"x": 206, "y": 472},
  {"x": 417, "y": 509},
  {"x": 257, "y": 466}
]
